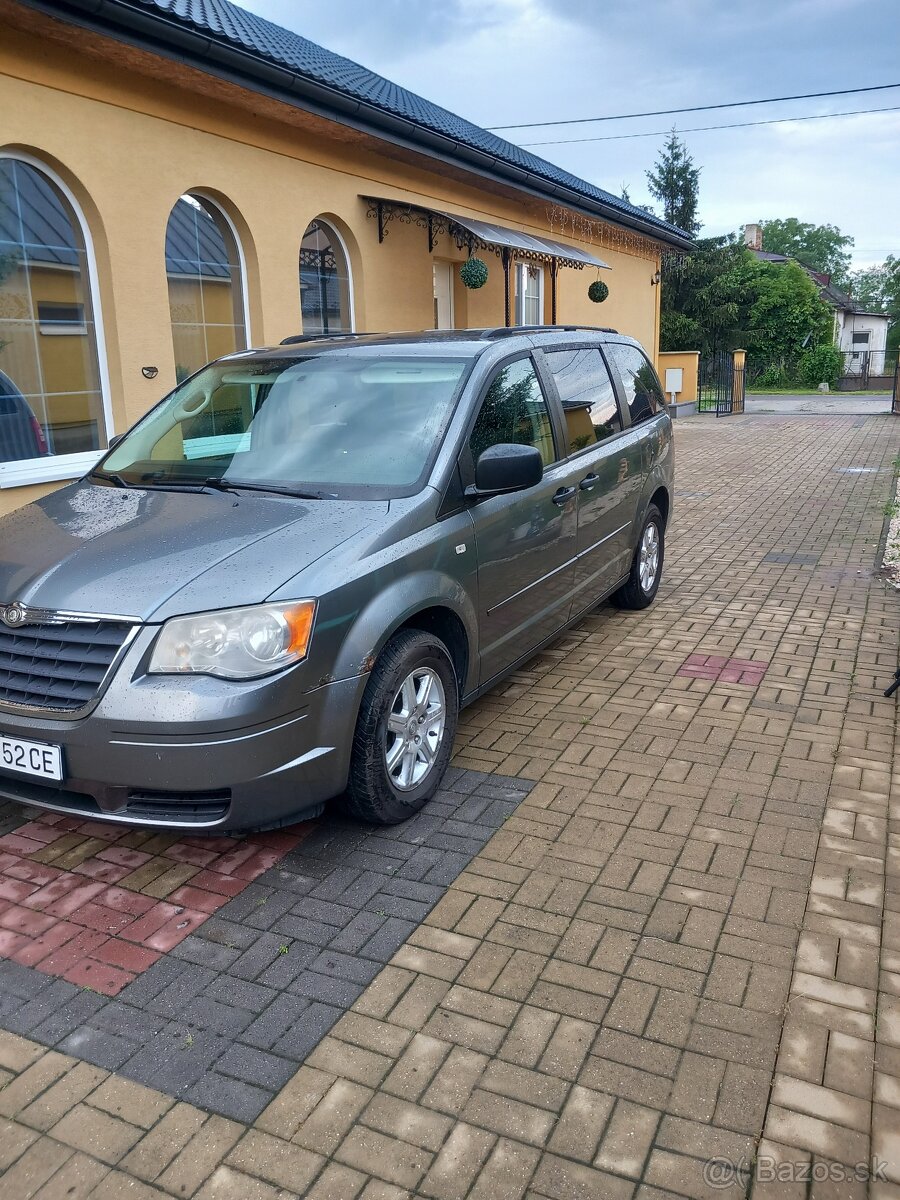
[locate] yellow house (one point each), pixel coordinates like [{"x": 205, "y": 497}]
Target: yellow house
[{"x": 179, "y": 180}]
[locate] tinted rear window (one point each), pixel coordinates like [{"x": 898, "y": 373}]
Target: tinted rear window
[
  {"x": 586, "y": 392},
  {"x": 643, "y": 392}
]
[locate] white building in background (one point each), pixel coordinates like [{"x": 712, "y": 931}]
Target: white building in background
[{"x": 861, "y": 336}]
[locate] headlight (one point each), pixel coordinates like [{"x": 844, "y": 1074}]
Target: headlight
[{"x": 237, "y": 643}]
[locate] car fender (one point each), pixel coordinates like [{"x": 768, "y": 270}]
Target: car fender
[{"x": 394, "y": 606}]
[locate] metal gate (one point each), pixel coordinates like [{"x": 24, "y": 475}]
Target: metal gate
[
  {"x": 721, "y": 384},
  {"x": 895, "y": 401}
]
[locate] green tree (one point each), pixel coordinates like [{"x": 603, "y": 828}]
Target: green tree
[
  {"x": 702, "y": 299},
  {"x": 870, "y": 287},
  {"x": 786, "y": 314},
  {"x": 675, "y": 183},
  {"x": 822, "y": 247}
]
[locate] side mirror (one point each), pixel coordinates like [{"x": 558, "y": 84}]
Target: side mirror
[{"x": 507, "y": 468}]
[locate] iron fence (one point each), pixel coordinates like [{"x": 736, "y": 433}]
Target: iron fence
[
  {"x": 721, "y": 384},
  {"x": 868, "y": 370}
]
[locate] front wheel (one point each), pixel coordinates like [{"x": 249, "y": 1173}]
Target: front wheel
[
  {"x": 405, "y": 731},
  {"x": 646, "y": 566}
]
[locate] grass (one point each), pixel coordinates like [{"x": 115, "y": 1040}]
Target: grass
[{"x": 759, "y": 391}]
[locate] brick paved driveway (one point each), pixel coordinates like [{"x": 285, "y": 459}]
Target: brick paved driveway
[{"x": 648, "y": 923}]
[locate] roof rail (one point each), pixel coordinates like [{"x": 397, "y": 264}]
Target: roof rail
[
  {"x": 296, "y": 338},
  {"x": 511, "y": 331}
]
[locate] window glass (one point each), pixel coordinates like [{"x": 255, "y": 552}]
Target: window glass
[
  {"x": 528, "y": 294},
  {"x": 333, "y": 423},
  {"x": 586, "y": 392},
  {"x": 50, "y": 399},
  {"x": 324, "y": 282},
  {"x": 206, "y": 291},
  {"x": 642, "y": 387},
  {"x": 514, "y": 410}
]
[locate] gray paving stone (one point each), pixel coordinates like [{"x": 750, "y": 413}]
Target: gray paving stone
[
  {"x": 342, "y": 992},
  {"x": 254, "y": 1066},
  {"x": 309, "y": 1031},
  {"x": 99, "y": 1047},
  {"x": 228, "y": 1097},
  {"x": 282, "y": 1014}
]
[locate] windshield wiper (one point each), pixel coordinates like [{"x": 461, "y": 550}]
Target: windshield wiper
[
  {"x": 109, "y": 477},
  {"x": 247, "y": 485}
]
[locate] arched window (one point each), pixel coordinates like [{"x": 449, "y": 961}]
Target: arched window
[
  {"x": 51, "y": 400},
  {"x": 324, "y": 282},
  {"x": 206, "y": 288}
]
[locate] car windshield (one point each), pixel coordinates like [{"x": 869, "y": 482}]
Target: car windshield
[{"x": 328, "y": 424}]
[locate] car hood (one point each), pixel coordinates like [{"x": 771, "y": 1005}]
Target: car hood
[{"x": 152, "y": 554}]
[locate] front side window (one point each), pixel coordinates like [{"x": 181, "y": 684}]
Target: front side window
[
  {"x": 514, "y": 410},
  {"x": 206, "y": 288},
  {"x": 324, "y": 282},
  {"x": 529, "y": 294},
  {"x": 50, "y": 397},
  {"x": 587, "y": 397},
  {"x": 354, "y": 425},
  {"x": 643, "y": 391}
]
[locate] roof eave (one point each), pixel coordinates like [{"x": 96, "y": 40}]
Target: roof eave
[{"x": 160, "y": 34}]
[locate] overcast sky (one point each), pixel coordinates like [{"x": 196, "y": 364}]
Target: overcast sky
[{"x": 500, "y": 62}]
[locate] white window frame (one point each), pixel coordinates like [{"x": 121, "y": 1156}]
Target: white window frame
[
  {"x": 521, "y": 267},
  {"x": 339, "y": 238},
  {"x": 23, "y": 472},
  {"x": 199, "y": 194}
]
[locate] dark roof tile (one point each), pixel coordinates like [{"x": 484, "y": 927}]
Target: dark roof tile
[{"x": 228, "y": 23}]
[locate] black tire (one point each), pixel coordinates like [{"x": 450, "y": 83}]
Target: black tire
[
  {"x": 633, "y": 594},
  {"x": 372, "y": 794}
]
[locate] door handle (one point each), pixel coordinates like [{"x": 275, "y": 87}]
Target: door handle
[
  {"x": 562, "y": 496},
  {"x": 589, "y": 482}
]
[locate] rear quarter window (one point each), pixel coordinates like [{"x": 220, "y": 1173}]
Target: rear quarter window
[
  {"x": 643, "y": 391},
  {"x": 587, "y": 396}
]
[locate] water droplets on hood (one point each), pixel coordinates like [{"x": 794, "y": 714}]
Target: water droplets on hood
[{"x": 97, "y": 511}]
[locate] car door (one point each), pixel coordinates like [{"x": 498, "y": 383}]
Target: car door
[
  {"x": 606, "y": 459},
  {"x": 525, "y": 540},
  {"x": 643, "y": 396}
]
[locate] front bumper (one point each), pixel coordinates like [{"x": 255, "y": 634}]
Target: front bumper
[{"x": 193, "y": 752}]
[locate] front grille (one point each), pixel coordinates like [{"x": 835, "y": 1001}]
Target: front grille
[{"x": 57, "y": 666}]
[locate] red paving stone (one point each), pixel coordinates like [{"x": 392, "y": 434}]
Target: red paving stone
[
  {"x": 716, "y": 669},
  {"x": 86, "y": 925}
]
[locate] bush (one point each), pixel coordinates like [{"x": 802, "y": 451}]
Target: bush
[
  {"x": 821, "y": 364},
  {"x": 774, "y": 376}
]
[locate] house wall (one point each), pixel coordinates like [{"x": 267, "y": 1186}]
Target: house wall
[
  {"x": 128, "y": 145},
  {"x": 848, "y": 323}
]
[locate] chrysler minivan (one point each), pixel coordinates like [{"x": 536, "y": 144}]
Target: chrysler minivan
[{"x": 285, "y": 581}]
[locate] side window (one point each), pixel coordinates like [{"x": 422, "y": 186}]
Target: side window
[
  {"x": 642, "y": 387},
  {"x": 514, "y": 410},
  {"x": 586, "y": 393}
]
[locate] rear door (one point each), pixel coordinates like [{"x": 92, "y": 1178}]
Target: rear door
[
  {"x": 606, "y": 460},
  {"x": 525, "y": 540}
]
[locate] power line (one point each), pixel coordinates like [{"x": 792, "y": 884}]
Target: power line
[
  {"x": 668, "y": 112},
  {"x": 617, "y": 137}
]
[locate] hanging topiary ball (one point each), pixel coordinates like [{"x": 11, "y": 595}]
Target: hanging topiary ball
[
  {"x": 598, "y": 291},
  {"x": 474, "y": 273}
]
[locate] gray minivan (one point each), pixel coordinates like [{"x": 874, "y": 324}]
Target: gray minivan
[{"x": 283, "y": 583}]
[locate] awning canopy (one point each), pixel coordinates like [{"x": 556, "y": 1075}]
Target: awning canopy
[
  {"x": 467, "y": 231},
  {"x": 526, "y": 244}
]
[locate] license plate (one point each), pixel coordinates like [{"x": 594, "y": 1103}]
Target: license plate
[{"x": 31, "y": 758}]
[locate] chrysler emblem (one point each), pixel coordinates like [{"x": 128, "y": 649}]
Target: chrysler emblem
[{"x": 13, "y": 615}]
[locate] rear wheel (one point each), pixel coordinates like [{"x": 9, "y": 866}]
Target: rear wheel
[
  {"x": 405, "y": 731},
  {"x": 646, "y": 566}
]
